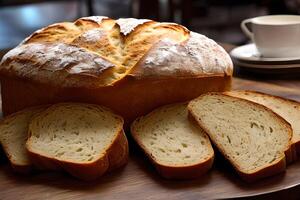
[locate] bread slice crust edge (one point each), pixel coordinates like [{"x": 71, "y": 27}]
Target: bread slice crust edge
[
  {"x": 24, "y": 168},
  {"x": 295, "y": 144},
  {"x": 111, "y": 159},
  {"x": 278, "y": 166},
  {"x": 174, "y": 172}
]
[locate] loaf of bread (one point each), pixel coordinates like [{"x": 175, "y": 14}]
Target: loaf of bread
[
  {"x": 83, "y": 139},
  {"x": 254, "y": 139},
  {"x": 288, "y": 109},
  {"x": 129, "y": 65},
  {"x": 13, "y": 136},
  {"x": 177, "y": 148}
]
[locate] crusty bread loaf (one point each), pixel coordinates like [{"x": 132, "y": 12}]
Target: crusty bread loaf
[
  {"x": 13, "y": 136},
  {"x": 288, "y": 109},
  {"x": 177, "y": 148},
  {"x": 83, "y": 139},
  {"x": 107, "y": 62},
  {"x": 252, "y": 137}
]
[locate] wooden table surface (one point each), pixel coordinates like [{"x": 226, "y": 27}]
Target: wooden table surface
[{"x": 115, "y": 185}]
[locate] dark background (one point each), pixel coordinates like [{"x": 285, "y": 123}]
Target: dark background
[{"x": 218, "y": 19}]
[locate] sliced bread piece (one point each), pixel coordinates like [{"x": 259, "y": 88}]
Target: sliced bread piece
[
  {"x": 13, "y": 136},
  {"x": 288, "y": 109},
  {"x": 177, "y": 148},
  {"x": 252, "y": 137},
  {"x": 83, "y": 139}
]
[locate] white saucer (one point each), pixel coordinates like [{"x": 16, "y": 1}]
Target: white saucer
[
  {"x": 264, "y": 66},
  {"x": 249, "y": 52}
]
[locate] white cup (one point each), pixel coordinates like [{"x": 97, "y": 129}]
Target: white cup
[{"x": 275, "y": 36}]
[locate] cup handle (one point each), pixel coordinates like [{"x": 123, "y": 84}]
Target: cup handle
[{"x": 245, "y": 29}]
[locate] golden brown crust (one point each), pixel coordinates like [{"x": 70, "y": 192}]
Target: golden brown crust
[
  {"x": 272, "y": 169},
  {"x": 96, "y": 52},
  {"x": 116, "y": 156},
  {"x": 121, "y": 98},
  {"x": 182, "y": 173},
  {"x": 186, "y": 59},
  {"x": 70, "y": 65},
  {"x": 119, "y": 152},
  {"x": 104, "y": 61}
]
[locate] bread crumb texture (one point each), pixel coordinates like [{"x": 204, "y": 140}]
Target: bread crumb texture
[
  {"x": 168, "y": 136},
  {"x": 14, "y": 133},
  {"x": 250, "y": 136},
  {"x": 77, "y": 133},
  {"x": 289, "y": 110}
]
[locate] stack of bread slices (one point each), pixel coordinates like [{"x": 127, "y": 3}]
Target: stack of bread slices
[
  {"x": 258, "y": 134},
  {"x": 83, "y": 139}
]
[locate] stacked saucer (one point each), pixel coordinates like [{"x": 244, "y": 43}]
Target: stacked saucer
[{"x": 247, "y": 56}]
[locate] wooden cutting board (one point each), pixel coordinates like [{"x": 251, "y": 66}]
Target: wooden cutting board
[{"x": 138, "y": 180}]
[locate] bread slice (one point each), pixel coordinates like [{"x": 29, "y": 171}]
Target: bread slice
[
  {"x": 13, "y": 136},
  {"x": 83, "y": 139},
  {"x": 177, "y": 148},
  {"x": 288, "y": 109},
  {"x": 252, "y": 137}
]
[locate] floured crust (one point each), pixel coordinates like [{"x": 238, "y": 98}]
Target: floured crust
[
  {"x": 98, "y": 51},
  {"x": 127, "y": 25},
  {"x": 47, "y": 66},
  {"x": 96, "y": 19},
  {"x": 189, "y": 58}
]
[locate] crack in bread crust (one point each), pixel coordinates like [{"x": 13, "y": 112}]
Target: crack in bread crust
[{"x": 112, "y": 49}]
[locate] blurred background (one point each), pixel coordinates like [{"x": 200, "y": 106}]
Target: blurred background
[{"x": 218, "y": 19}]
